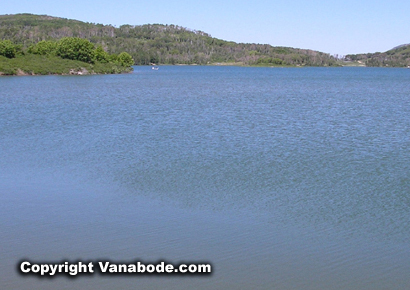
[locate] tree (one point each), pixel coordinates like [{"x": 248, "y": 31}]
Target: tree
[
  {"x": 101, "y": 55},
  {"x": 7, "y": 49},
  {"x": 43, "y": 48},
  {"x": 125, "y": 59},
  {"x": 76, "y": 48},
  {"x": 112, "y": 57}
]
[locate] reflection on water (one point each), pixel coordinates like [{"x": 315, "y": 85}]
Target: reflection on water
[{"x": 282, "y": 178}]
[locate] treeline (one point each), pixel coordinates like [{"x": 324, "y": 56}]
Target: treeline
[
  {"x": 396, "y": 57},
  {"x": 156, "y": 43}
]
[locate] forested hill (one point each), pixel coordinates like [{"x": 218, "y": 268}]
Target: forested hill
[
  {"x": 156, "y": 43},
  {"x": 396, "y": 57}
]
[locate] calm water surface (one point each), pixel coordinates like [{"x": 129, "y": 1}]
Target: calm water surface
[{"x": 281, "y": 178}]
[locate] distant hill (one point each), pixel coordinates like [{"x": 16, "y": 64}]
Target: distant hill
[
  {"x": 398, "y": 56},
  {"x": 157, "y": 43},
  {"x": 403, "y": 45}
]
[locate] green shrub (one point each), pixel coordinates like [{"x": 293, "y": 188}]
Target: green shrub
[
  {"x": 270, "y": 61},
  {"x": 76, "y": 48},
  {"x": 101, "y": 55},
  {"x": 43, "y": 48},
  {"x": 125, "y": 59},
  {"x": 113, "y": 57},
  {"x": 7, "y": 49}
]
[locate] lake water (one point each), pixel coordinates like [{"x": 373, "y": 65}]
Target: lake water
[{"x": 281, "y": 178}]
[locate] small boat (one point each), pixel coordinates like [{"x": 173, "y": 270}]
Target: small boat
[{"x": 155, "y": 68}]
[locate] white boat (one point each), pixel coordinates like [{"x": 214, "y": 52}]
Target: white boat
[{"x": 155, "y": 68}]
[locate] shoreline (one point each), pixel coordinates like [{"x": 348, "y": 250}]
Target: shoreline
[{"x": 85, "y": 72}]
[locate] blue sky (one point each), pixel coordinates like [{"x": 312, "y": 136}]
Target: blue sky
[{"x": 336, "y": 27}]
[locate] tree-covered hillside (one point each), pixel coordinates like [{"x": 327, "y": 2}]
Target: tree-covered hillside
[
  {"x": 396, "y": 57},
  {"x": 156, "y": 43}
]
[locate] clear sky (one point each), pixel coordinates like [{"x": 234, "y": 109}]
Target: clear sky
[{"x": 336, "y": 27}]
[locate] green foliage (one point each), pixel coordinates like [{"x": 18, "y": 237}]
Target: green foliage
[
  {"x": 269, "y": 61},
  {"x": 45, "y": 65},
  {"x": 45, "y": 58},
  {"x": 43, "y": 48},
  {"x": 7, "y": 49},
  {"x": 125, "y": 59},
  {"x": 5, "y": 67},
  {"x": 396, "y": 57},
  {"x": 76, "y": 48},
  {"x": 101, "y": 55},
  {"x": 151, "y": 43},
  {"x": 113, "y": 58}
]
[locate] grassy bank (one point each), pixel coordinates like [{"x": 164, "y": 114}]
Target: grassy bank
[{"x": 32, "y": 64}]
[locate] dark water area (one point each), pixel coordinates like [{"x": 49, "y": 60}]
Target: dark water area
[{"x": 281, "y": 178}]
